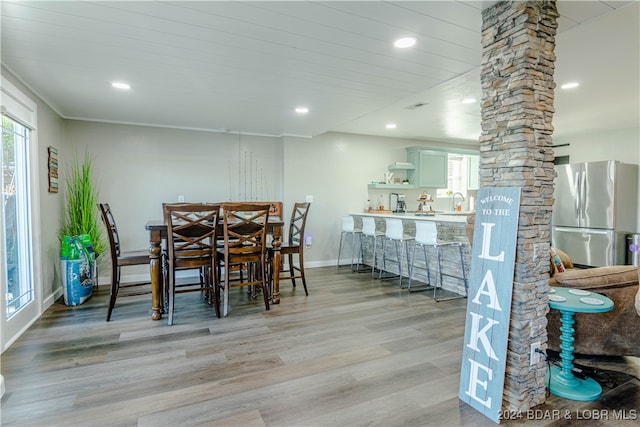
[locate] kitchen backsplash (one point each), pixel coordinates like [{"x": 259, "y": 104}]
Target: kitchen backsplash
[{"x": 411, "y": 199}]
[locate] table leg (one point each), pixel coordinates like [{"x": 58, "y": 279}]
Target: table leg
[
  {"x": 155, "y": 266},
  {"x": 277, "y": 263},
  {"x": 562, "y": 382}
]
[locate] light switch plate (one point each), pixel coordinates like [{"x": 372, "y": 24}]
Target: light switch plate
[{"x": 309, "y": 198}]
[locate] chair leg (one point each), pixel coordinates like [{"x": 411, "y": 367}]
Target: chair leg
[
  {"x": 265, "y": 290},
  {"x": 339, "y": 250},
  {"x": 384, "y": 258},
  {"x": 164, "y": 306},
  {"x": 353, "y": 249},
  {"x": 399, "y": 256},
  {"x": 172, "y": 296},
  {"x": 292, "y": 272},
  {"x": 216, "y": 292},
  {"x": 373, "y": 265},
  {"x": 412, "y": 262},
  {"x": 225, "y": 305},
  {"x": 304, "y": 280},
  {"x": 404, "y": 253},
  {"x": 464, "y": 278},
  {"x": 464, "y": 274},
  {"x": 411, "y": 267},
  {"x": 115, "y": 283}
]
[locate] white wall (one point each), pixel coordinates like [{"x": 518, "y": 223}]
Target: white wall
[
  {"x": 140, "y": 167},
  {"x": 335, "y": 169},
  {"x": 137, "y": 168},
  {"x": 621, "y": 144}
]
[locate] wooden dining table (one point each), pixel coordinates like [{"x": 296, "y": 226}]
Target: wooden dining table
[{"x": 158, "y": 231}]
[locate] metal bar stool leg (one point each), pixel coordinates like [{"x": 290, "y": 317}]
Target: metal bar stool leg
[
  {"x": 464, "y": 277},
  {"x": 428, "y": 285}
]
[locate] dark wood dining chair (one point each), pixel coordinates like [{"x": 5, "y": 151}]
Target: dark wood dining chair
[
  {"x": 244, "y": 237},
  {"x": 295, "y": 245},
  {"x": 191, "y": 244},
  {"x": 121, "y": 259}
]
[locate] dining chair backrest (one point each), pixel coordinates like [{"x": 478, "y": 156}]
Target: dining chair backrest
[
  {"x": 112, "y": 231},
  {"x": 245, "y": 228},
  {"x": 394, "y": 229},
  {"x": 192, "y": 235},
  {"x": 368, "y": 226},
  {"x": 191, "y": 244},
  {"x": 298, "y": 223},
  {"x": 426, "y": 233},
  {"x": 275, "y": 208}
]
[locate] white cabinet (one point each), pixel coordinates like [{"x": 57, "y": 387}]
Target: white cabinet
[
  {"x": 473, "y": 169},
  {"x": 431, "y": 168}
]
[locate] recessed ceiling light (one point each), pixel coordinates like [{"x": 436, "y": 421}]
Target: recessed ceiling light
[
  {"x": 404, "y": 42},
  {"x": 302, "y": 110},
  {"x": 570, "y": 85},
  {"x": 469, "y": 100},
  {"x": 121, "y": 85},
  {"x": 391, "y": 126}
]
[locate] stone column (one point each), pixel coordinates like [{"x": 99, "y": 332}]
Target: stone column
[{"x": 518, "y": 40}]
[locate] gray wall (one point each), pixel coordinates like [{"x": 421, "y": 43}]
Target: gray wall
[
  {"x": 50, "y": 133},
  {"x": 138, "y": 168}
]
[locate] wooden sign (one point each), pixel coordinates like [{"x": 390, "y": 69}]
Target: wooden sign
[{"x": 489, "y": 304}]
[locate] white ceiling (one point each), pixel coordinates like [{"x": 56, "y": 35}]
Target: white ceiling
[{"x": 244, "y": 66}]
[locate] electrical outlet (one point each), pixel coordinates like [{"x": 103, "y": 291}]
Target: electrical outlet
[
  {"x": 309, "y": 198},
  {"x": 180, "y": 198},
  {"x": 534, "y": 356}
]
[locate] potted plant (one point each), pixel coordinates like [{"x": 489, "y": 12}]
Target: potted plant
[
  {"x": 80, "y": 235},
  {"x": 81, "y": 215}
]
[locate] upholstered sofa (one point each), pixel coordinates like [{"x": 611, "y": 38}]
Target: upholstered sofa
[{"x": 616, "y": 333}]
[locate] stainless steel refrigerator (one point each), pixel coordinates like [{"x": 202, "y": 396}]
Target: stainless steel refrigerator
[{"x": 595, "y": 208}]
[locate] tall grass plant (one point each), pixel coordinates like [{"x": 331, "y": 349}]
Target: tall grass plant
[{"x": 81, "y": 215}]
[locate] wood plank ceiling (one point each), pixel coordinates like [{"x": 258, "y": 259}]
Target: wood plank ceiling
[{"x": 244, "y": 66}]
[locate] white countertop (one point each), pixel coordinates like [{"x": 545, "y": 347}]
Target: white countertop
[{"x": 457, "y": 217}]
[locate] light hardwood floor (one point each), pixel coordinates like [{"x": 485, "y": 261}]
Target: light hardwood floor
[{"x": 356, "y": 351}]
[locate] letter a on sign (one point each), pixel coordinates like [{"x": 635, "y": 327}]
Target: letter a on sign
[{"x": 488, "y": 307}]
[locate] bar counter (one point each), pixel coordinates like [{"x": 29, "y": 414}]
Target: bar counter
[{"x": 450, "y": 228}]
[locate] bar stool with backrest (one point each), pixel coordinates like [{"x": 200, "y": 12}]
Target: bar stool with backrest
[
  {"x": 295, "y": 244},
  {"x": 245, "y": 242},
  {"x": 394, "y": 232},
  {"x": 191, "y": 244},
  {"x": 369, "y": 232},
  {"x": 349, "y": 229},
  {"x": 427, "y": 237},
  {"x": 121, "y": 259}
]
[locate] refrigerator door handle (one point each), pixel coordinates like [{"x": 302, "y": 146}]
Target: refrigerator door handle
[
  {"x": 576, "y": 183},
  {"x": 581, "y": 230},
  {"x": 583, "y": 195}
]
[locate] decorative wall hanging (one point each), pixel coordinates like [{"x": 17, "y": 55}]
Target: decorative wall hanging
[{"x": 53, "y": 170}]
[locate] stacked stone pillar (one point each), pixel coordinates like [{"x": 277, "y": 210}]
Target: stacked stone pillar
[{"x": 518, "y": 40}]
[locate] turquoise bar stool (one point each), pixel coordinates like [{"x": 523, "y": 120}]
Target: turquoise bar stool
[
  {"x": 395, "y": 234},
  {"x": 349, "y": 231},
  {"x": 427, "y": 237}
]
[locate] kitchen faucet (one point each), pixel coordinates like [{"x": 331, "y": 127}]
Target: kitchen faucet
[{"x": 453, "y": 204}]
